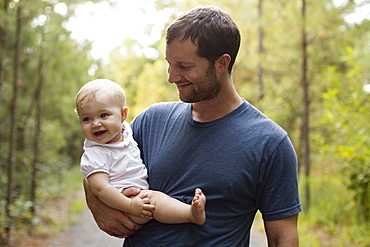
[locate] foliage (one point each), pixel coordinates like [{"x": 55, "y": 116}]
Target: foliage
[
  {"x": 144, "y": 79},
  {"x": 347, "y": 143},
  {"x": 65, "y": 66},
  {"x": 331, "y": 220}
]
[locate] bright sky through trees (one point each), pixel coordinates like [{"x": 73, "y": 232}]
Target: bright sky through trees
[
  {"x": 107, "y": 27},
  {"x": 362, "y": 12}
]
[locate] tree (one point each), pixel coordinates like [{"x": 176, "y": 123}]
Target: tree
[
  {"x": 41, "y": 93},
  {"x": 13, "y": 130},
  {"x": 3, "y": 39},
  {"x": 260, "y": 51},
  {"x": 306, "y": 107},
  {"x": 38, "y": 116}
]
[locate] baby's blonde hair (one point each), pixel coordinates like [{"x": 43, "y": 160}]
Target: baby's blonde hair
[{"x": 104, "y": 86}]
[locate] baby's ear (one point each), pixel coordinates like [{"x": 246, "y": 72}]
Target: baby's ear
[
  {"x": 124, "y": 113},
  {"x": 75, "y": 110}
]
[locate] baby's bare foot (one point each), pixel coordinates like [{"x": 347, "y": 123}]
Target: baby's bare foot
[{"x": 198, "y": 213}]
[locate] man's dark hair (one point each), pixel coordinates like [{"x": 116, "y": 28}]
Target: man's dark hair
[{"x": 209, "y": 27}]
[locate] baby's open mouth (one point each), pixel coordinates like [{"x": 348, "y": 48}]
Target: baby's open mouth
[{"x": 99, "y": 133}]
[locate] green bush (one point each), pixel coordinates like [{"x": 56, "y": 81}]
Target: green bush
[{"x": 331, "y": 219}]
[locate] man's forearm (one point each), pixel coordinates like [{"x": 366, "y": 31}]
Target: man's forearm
[
  {"x": 89, "y": 196},
  {"x": 282, "y": 233}
]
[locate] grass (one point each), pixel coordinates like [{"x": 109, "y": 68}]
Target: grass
[
  {"x": 59, "y": 202},
  {"x": 73, "y": 180},
  {"x": 59, "y": 198},
  {"x": 331, "y": 218}
]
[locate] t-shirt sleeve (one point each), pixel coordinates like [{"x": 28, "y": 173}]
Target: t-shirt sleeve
[
  {"x": 94, "y": 160},
  {"x": 278, "y": 196}
]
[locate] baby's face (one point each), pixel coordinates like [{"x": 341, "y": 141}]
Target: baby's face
[{"x": 101, "y": 120}]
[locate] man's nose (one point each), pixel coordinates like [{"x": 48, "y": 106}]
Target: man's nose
[{"x": 173, "y": 75}]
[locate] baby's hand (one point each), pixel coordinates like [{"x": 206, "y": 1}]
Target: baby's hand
[{"x": 140, "y": 206}]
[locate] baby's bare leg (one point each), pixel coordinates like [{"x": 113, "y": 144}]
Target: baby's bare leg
[
  {"x": 171, "y": 211},
  {"x": 138, "y": 220}
]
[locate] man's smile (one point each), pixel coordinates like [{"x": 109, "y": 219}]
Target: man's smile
[{"x": 183, "y": 85}]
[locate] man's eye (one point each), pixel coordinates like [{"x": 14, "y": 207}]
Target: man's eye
[
  {"x": 104, "y": 115},
  {"x": 184, "y": 67}
]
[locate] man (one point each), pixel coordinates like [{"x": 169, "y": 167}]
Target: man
[{"x": 214, "y": 140}]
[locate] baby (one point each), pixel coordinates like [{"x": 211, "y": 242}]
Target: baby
[{"x": 111, "y": 160}]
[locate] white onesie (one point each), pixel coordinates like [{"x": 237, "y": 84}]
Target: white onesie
[{"x": 120, "y": 160}]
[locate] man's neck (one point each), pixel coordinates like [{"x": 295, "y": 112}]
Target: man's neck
[{"x": 209, "y": 110}]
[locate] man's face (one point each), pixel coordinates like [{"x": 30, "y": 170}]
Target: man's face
[{"x": 194, "y": 76}]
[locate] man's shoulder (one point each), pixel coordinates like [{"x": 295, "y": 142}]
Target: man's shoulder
[
  {"x": 257, "y": 121},
  {"x": 166, "y": 105},
  {"x": 164, "y": 109},
  {"x": 159, "y": 112}
]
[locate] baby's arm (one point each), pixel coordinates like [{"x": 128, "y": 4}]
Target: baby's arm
[{"x": 139, "y": 206}]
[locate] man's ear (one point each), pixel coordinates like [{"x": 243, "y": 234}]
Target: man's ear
[
  {"x": 124, "y": 113},
  {"x": 222, "y": 63}
]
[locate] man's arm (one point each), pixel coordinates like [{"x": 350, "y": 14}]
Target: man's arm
[
  {"x": 282, "y": 233},
  {"x": 109, "y": 220}
]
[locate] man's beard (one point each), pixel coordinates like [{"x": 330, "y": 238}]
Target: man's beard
[{"x": 208, "y": 87}]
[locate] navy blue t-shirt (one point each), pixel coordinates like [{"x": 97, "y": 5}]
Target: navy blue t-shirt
[{"x": 243, "y": 162}]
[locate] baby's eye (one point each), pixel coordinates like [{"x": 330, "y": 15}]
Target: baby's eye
[
  {"x": 103, "y": 115},
  {"x": 86, "y": 119}
]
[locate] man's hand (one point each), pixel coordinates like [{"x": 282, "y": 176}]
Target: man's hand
[{"x": 109, "y": 220}]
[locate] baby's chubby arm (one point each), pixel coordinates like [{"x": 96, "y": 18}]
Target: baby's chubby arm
[
  {"x": 112, "y": 221},
  {"x": 139, "y": 206}
]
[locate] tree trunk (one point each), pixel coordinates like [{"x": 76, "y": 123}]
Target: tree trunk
[
  {"x": 260, "y": 52},
  {"x": 3, "y": 38},
  {"x": 36, "y": 141},
  {"x": 13, "y": 130},
  {"x": 306, "y": 104}
]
